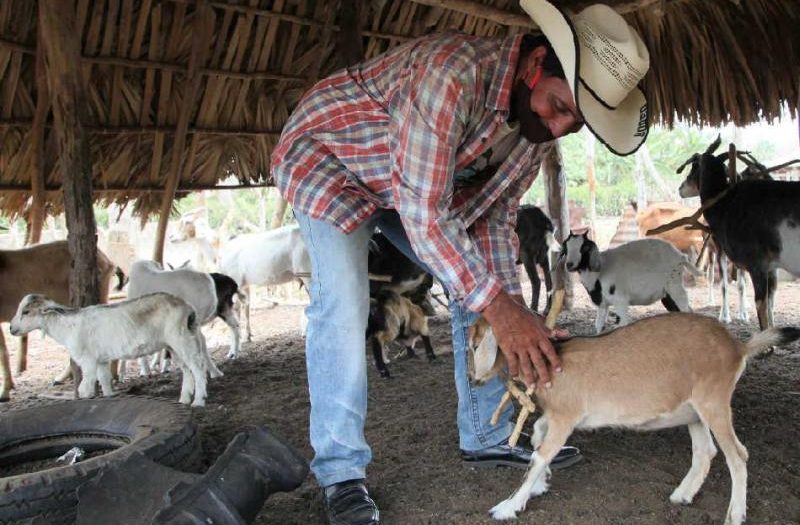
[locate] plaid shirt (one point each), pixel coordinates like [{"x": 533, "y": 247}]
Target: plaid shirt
[{"x": 391, "y": 131}]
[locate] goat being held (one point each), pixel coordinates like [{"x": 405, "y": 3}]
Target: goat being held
[
  {"x": 755, "y": 222},
  {"x": 96, "y": 335},
  {"x": 661, "y": 372},
  {"x": 636, "y": 273}
]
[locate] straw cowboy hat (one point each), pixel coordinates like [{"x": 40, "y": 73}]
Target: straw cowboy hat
[{"x": 604, "y": 59}]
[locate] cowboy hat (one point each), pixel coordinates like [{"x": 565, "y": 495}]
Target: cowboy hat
[{"x": 604, "y": 59}]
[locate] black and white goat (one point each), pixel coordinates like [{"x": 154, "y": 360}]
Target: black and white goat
[
  {"x": 755, "y": 222},
  {"x": 399, "y": 302},
  {"x": 211, "y": 295},
  {"x": 535, "y": 232},
  {"x": 637, "y": 273}
]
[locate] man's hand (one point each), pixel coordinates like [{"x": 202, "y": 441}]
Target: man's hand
[{"x": 523, "y": 339}]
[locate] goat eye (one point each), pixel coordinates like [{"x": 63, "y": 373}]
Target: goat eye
[{"x": 26, "y": 312}]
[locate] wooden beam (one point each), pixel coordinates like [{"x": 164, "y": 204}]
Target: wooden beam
[
  {"x": 36, "y": 219},
  {"x": 472, "y": 8},
  {"x": 144, "y": 130},
  {"x": 203, "y": 27},
  {"x": 21, "y": 188},
  {"x": 61, "y": 45}
]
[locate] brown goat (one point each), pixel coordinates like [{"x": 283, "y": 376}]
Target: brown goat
[
  {"x": 393, "y": 317},
  {"x": 661, "y": 372},
  {"x": 42, "y": 269}
]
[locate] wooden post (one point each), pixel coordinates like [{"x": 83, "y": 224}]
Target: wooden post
[
  {"x": 36, "y": 219},
  {"x": 592, "y": 181},
  {"x": 349, "y": 44},
  {"x": 279, "y": 212},
  {"x": 202, "y": 28},
  {"x": 556, "y": 179},
  {"x": 61, "y": 45},
  {"x": 641, "y": 187}
]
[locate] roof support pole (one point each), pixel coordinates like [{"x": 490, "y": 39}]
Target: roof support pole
[
  {"x": 36, "y": 219},
  {"x": 61, "y": 46},
  {"x": 556, "y": 181},
  {"x": 203, "y": 26}
]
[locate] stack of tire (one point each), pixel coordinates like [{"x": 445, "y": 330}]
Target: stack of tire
[{"x": 161, "y": 430}]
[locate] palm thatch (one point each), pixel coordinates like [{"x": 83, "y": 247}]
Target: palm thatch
[{"x": 713, "y": 62}]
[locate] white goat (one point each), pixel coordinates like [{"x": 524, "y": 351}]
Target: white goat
[
  {"x": 273, "y": 257},
  {"x": 44, "y": 269},
  {"x": 637, "y": 273},
  {"x": 666, "y": 371},
  {"x": 96, "y": 335},
  {"x": 198, "y": 289}
]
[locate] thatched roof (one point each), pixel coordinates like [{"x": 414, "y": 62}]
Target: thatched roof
[{"x": 713, "y": 61}]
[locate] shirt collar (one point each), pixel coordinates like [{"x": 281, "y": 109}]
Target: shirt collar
[{"x": 499, "y": 96}]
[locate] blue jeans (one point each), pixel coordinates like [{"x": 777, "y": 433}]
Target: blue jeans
[{"x": 336, "y": 352}]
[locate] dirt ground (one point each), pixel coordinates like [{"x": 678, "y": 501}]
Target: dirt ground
[{"x": 416, "y": 476}]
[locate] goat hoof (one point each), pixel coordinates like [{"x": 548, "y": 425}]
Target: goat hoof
[
  {"x": 231, "y": 355},
  {"x": 679, "y": 499},
  {"x": 5, "y": 398},
  {"x": 385, "y": 374},
  {"x": 504, "y": 510}
]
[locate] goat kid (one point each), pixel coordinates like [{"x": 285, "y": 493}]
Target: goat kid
[
  {"x": 755, "y": 222},
  {"x": 661, "y": 372},
  {"x": 394, "y": 317},
  {"x": 43, "y": 269},
  {"x": 637, "y": 273},
  {"x": 536, "y": 240},
  {"x": 96, "y": 335}
]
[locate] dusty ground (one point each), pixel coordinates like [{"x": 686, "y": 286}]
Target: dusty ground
[{"x": 416, "y": 476}]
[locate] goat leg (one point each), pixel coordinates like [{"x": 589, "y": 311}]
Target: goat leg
[
  {"x": 5, "y": 370},
  {"x": 377, "y": 355},
  {"x": 426, "y": 341},
  {"x": 22, "y": 355}
]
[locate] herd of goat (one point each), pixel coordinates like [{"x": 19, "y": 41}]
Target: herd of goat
[
  {"x": 755, "y": 237},
  {"x": 682, "y": 376}
]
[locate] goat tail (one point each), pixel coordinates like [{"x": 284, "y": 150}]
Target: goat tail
[
  {"x": 771, "y": 337},
  {"x": 686, "y": 263},
  {"x": 121, "y": 278}
]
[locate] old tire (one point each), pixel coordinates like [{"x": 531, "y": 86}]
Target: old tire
[{"x": 160, "y": 430}]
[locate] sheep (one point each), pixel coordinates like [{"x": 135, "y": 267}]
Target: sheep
[
  {"x": 273, "y": 257},
  {"x": 210, "y": 295},
  {"x": 665, "y": 371},
  {"x": 636, "y": 273},
  {"x": 755, "y": 222},
  {"x": 96, "y": 335},
  {"x": 43, "y": 268},
  {"x": 394, "y": 317},
  {"x": 535, "y": 233}
]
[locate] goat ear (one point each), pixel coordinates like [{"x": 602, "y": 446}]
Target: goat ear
[
  {"x": 483, "y": 358},
  {"x": 714, "y": 145},
  {"x": 594, "y": 260}
]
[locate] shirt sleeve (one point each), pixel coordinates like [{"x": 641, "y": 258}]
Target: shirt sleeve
[
  {"x": 427, "y": 124},
  {"x": 495, "y": 231}
]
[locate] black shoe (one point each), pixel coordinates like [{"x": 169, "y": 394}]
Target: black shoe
[
  {"x": 503, "y": 455},
  {"x": 348, "y": 503}
]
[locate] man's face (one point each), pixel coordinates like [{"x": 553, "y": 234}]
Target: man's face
[{"x": 549, "y": 110}]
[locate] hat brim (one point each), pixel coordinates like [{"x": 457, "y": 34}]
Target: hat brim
[{"x": 622, "y": 129}]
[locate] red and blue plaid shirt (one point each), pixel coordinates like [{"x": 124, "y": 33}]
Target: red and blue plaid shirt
[{"x": 390, "y": 133}]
